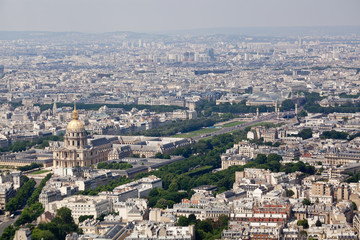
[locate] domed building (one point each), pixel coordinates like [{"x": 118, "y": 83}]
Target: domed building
[{"x": 77, "y": 150}]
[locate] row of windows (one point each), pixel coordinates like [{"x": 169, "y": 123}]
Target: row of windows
[{"x": 75, "y": 134}]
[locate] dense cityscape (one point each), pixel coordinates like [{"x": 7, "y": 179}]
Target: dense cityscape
[{"x": 151, "y": 136}]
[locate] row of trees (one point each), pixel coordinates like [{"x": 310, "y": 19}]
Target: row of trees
[
  {"x": 22, "y": 194},
  {"x": 339, "y": 135},
  {"x": 207, "y": 108},
  {"x": 162, "y": 156},
  {"x": 344, "y": 95},
  {"x": 334, "y": 135},
  {"x": 355, "y": 135},
  {"x": 29, "y": 167},
  {"x": 35, "y": 195},
  {"x": 345, "y": 108},
  {"x": 183, "y": 126},
  {"x": 29, "y": 213},
  {"x": 41, "y": 142},
  {"x": 114, "y": 165},
  {"x": 313, "y": 106}
]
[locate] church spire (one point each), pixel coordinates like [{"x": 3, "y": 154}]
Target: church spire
[{"x": 54, "y": 108}]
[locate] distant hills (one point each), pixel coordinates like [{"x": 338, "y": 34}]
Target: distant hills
[{"x": 244, "y": 31}]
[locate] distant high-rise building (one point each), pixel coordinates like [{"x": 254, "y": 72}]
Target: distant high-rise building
[
  {"x": 2, "y": 70},
  {"x": 189, "y": 56},
  {"x": 246, "y": 57},
  {"x": 210, "y": 52}
]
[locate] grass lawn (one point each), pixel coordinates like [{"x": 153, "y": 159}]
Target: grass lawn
[
  {"x": 232, "y": 124},
  {"x": 40, "y": 171},
  {"x": 196, "y": 133}
]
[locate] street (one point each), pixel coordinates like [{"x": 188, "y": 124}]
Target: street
[{"x": 6, "y": 221}]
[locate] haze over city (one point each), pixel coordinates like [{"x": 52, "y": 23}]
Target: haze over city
[{"x": 169, "y": 15}]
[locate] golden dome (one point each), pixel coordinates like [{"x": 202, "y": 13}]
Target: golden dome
[{"x": 75, "y": 125}]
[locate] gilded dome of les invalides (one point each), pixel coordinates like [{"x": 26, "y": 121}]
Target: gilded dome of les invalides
[{"x": 75, "y": 125}]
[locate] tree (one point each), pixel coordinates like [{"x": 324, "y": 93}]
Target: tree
[
  {"x": 161, "y": 203},
  {"x": 354, "y": 206},
  {"x": 289, "y": 193},
  {"x": 64, "y": 214},
  {"x": 302, "y": 113},
  {"x": 60, "y": 226},
  {"x": 303, "y": 233},
  {"x": 305, "y": 133},
  {"x": 287, "y": 105},
  {"x": 334, "y": 135},
  {"x": 183, "y": 221},
  {"x": 261, "y": 159},
  {"x": 223, "y": 221},
  {"x": 318, "y": 223},
  {"x": 274, "y": 157},
  {"x": 304, "y": 223},
  {"x": 192, "y": 218},
  {"x": 21, "y": 196},
  {"x": 8, "y": 233},
  {"x": 173, "y": 187},
  {"x": 101, "y": 218},
  {"x": 205, "y": 226},
  {"x": 84, "y": 217},
  {"x": 38, "y": 234},
  {"x": 306, "y": 201}
]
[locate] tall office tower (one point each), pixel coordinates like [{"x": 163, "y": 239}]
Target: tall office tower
[{"x": 210, "y": 52}]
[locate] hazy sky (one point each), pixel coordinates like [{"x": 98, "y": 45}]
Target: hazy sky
[{"x": 164, "y": 15}]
